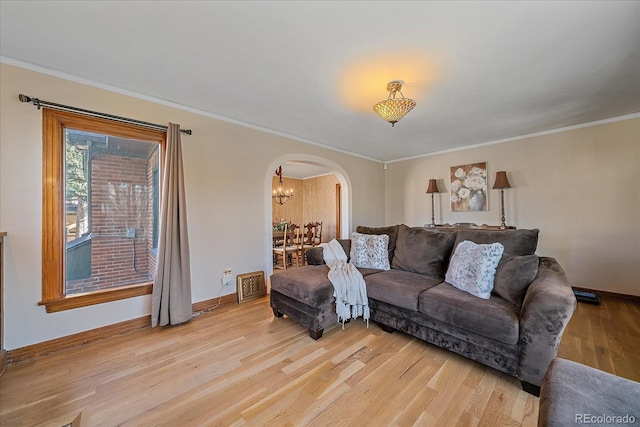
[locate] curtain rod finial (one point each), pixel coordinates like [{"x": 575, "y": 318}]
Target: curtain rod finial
[{"x": 25, "y": 98}]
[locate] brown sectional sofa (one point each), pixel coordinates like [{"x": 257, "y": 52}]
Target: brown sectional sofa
[{"x": 517, "y": 332}]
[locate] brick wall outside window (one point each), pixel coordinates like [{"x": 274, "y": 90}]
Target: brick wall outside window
[{"x": 121, "y": 194}]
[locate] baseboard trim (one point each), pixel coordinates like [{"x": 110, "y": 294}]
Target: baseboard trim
[
  {"x": 210, "y": 303},
  {"x": 71, "y": 341},
  {"x": 634, "y": 299},
  {"x": 3, "y": 361}
]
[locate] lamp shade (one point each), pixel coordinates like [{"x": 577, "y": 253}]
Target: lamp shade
[
  {"x": 393, "y": 109},
  {"x": 501, "y": 180},
  {"x": 433, "y": 187}
]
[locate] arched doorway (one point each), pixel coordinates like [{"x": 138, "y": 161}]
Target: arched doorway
[{"x": 345, "y": 198}]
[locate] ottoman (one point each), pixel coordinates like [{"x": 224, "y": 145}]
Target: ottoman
[
  {"x": 574, "y": 394},
  {"x": 305, "y": 295}
]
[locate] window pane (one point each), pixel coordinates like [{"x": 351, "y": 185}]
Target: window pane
[{"x": 111, "y": 187}]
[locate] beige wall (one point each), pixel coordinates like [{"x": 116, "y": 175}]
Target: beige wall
[
  {"x": 579, "y": 187},
  {"x": 227, "y": 168}
]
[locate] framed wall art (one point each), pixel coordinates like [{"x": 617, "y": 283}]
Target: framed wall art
[{"x": 469, "y": 188}]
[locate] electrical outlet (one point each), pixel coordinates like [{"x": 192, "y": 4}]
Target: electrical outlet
[
  {"x": 131, "y": 233},
  {"x": 227, "y": 277}
]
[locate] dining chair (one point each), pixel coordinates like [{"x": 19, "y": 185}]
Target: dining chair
[
  {"x": 317, "y": 236},
  {"x": 307, "y": 234},
  {"x": 296, "y": 236},
  {"x": 309, "y": 239},
  {"x": 288, "y": 249}
]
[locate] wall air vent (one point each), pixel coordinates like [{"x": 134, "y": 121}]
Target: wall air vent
[{"x": 251, "y": 286}]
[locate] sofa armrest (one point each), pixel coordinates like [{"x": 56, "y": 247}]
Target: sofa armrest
[
  {"x": 546, "y": 310},
  {"x": 315, "y": 255}
]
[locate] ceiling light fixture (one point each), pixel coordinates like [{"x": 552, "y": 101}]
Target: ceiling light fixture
[
  {"x": 393, "y": 109},
  {"x": 280, "y": 195}
]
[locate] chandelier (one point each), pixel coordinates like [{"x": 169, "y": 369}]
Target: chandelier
[
  {"x": 281, "y": 196},
  {"x": 393, "y": 109}
]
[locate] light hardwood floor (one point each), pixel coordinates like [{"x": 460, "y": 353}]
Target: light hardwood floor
[{"x": 238, "y": 365}]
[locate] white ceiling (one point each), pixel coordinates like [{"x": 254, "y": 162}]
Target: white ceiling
[
  {"x": 304, "y": 170},
  {"x": 479, "y": 71}
]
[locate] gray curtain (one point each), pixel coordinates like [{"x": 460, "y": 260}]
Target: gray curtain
[{"x": 171, "y": 299}]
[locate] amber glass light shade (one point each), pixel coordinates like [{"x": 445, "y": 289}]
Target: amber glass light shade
[{"x": 393, "y": 109}]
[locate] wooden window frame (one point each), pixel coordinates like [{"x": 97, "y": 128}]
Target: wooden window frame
[{"x": 54, "y": 123}]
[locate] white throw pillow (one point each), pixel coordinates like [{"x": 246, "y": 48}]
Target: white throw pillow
[
  {"x": 473, "y": 267},
  {"x": 370, "y": 250}
]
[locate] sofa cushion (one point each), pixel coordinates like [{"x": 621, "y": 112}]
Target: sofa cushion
[
  {"x": 309, "y": 285},
  {"x": 513, "y": 276},
  {"x": 367, "y": 271},
  {"x": 398, "y": 287},
  {"x": 515, "y": 242},
  {"x": 423, "y": 251},
  {"x": 391, "y": 231},
  {"x": 370, "y": 250},
  {"x": 494, "y": 318},
  {"x": 473, "y": 267}
]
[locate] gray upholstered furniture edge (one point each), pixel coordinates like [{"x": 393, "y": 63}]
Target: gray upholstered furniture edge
[
  {"x": 574, "y": 394},
  {"x": 315, "y": 255},
  {"x": 548, "y": 306}
]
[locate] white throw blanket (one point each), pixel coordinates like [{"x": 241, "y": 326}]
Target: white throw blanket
[{"x": 350, "y": 290}]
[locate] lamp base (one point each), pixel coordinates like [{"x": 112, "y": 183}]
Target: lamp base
[
  {"x": 503, "y": 226},
  {"x": 433, "y": 213}
]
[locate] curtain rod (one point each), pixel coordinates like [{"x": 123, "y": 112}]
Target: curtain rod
[{"x": 38, "y": 103}]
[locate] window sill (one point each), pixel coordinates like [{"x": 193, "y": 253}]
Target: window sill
[{"x": 97, "y": 297}]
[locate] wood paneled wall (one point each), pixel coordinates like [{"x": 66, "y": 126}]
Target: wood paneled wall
[
  {"x": 314, "y": 200},
  {"x": 320, "y": 203}
]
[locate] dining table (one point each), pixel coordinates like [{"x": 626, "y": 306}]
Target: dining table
[{"x": 278, "y": 236}]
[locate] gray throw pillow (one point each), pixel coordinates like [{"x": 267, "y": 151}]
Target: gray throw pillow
[
  {"x": 391, "y": 231},
  {"x": 370, "y": 250},
  {"x": 423, "y": 251},
  {"x": 473, "y": 267},
  {"x": 513, "y": 276}
]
